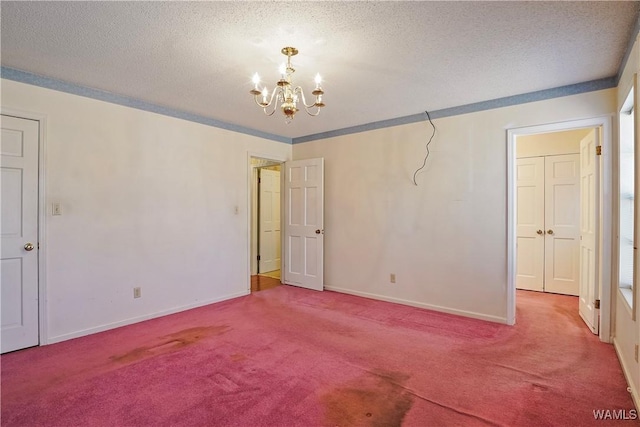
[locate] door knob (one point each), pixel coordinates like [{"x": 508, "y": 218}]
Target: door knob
[
  {"x": 317, "y": 231},
  {"x": 28, "y": 247},
  {"x": 540, "y": 232},
  {"x": 549, "y": 231}
]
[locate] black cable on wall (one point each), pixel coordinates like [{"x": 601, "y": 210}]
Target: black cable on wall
[{"x": 424, "y": 163}]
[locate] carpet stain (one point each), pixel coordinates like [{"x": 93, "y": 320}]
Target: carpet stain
[
  {"x": 170, "y": 343},
  {"x": 238, "y": 357},
  {"x": 539, "y": 387},
  {"x": 376, "y": 398},
  {"x": 572, "y": 314},
  {"x": 224, "y": 383}
]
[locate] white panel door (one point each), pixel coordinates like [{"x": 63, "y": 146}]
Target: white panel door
[
  {"x": 589, "y": 220},
  {"x": 19, "y": 253},
  {"x": 562, "y": 213},
  {"x": 530, "y": 223},
  {"x": 304, "y": 224},
  {"x": 269, "y": 214}
]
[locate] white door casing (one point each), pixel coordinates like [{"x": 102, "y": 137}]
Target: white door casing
[
  {"x": 270, "y": 237},
  {"x": 589, "y": 222},
  {"x": 304, "y": 224},
  {"x": 530, "y": 223},
  {"x": 19, "y": 227},
  {"x": 604, "y": 127},
  {"x": 562, "y": 213}
]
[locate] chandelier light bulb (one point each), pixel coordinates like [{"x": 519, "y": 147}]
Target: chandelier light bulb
[
  {"x": 318, "y": 80},
  {"x": 256, "y": 80}
]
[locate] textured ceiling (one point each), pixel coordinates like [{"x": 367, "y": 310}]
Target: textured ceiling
[{"x": 379, "y": 60}]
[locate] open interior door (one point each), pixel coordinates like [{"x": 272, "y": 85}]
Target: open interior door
[
  {"x": 304, "y": 224},
  {"x": 269, "y": 220},
  {"x": 589, "y": 221},
  {"x": 19, "y": 243}
]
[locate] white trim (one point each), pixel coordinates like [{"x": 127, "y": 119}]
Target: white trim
[
  {"x": 137, "y": 319},
  {"x": 606, "y": 203},
  {"x": 628, "y": 375},
  {"x": 441, "y": 309},
  {"x": 511, "y": 228},
  {"x": 625, "y": 294},
  {"x": 273, "y": 158},
  {"x": 43, "y": 324}
]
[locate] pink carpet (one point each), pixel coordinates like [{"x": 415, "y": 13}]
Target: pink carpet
[{"x": 292, "y": 357}]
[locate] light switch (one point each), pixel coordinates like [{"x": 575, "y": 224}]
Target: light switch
[{"x": 57, "y": 209}]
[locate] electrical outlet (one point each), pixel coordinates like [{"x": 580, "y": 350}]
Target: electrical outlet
[
  {"x": 636, "y": 353},
  {"x": 392, "y": 278},
  {"x": 137, "y": 292}
]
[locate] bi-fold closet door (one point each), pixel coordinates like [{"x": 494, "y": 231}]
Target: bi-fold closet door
[{"x": 548, "y": 214}]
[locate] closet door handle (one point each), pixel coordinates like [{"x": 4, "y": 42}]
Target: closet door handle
[
  {"x": 540, "y": 232},
  {"x": 549, "y": 231}
]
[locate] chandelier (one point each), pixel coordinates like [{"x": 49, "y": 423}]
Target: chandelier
[{"x": 285, "y": 93}]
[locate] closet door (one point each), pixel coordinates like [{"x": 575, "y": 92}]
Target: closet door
[
  {"x": 562, "y": 231},
  {"x": 530, "y": 223}
]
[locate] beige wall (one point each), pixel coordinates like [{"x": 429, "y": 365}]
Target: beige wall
[
  {"x": 445, "y": 239},
  {"x": 626, "y": 329},
  {"x": 148, "y": 200},
  {"x": 550, "y": 144}
]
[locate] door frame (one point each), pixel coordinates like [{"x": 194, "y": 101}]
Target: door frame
[
  {"x": 250, "y": 198},
  {"x": 257, "y": 222},
  {"x": 606, "y": 210},
  {"x": 43, "y": 331}
]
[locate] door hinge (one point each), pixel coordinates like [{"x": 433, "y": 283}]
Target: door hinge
[
  {"x": 258, "y": 257},
  {"x": 596, "y": 304},
  {"x": 259, "y": 180},
  {"x": 599, "y": 150}
]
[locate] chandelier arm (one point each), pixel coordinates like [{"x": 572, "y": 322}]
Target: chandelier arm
[
  {"x": 264, "y": 107},
  {"x": 262, "y": 104},
  {"x": 304, "y": 101},
  {"x": 310, "y": 113},
  {"x": 255, "y": 98}
]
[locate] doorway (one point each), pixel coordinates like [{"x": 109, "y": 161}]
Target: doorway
[
  {"x": 595, "y": 289},
  {"x": 265, "y": 223},
  {"x": 548, "y": 211},
  {"x": 301, "y": 218},
  {"x": 269, "y": 222}
]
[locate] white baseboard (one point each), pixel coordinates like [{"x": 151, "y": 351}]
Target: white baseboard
[
  {"x": 106, "y": 327},
  {"x": 627, "y": 375},
  {"x": 441, "y": 309}
]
